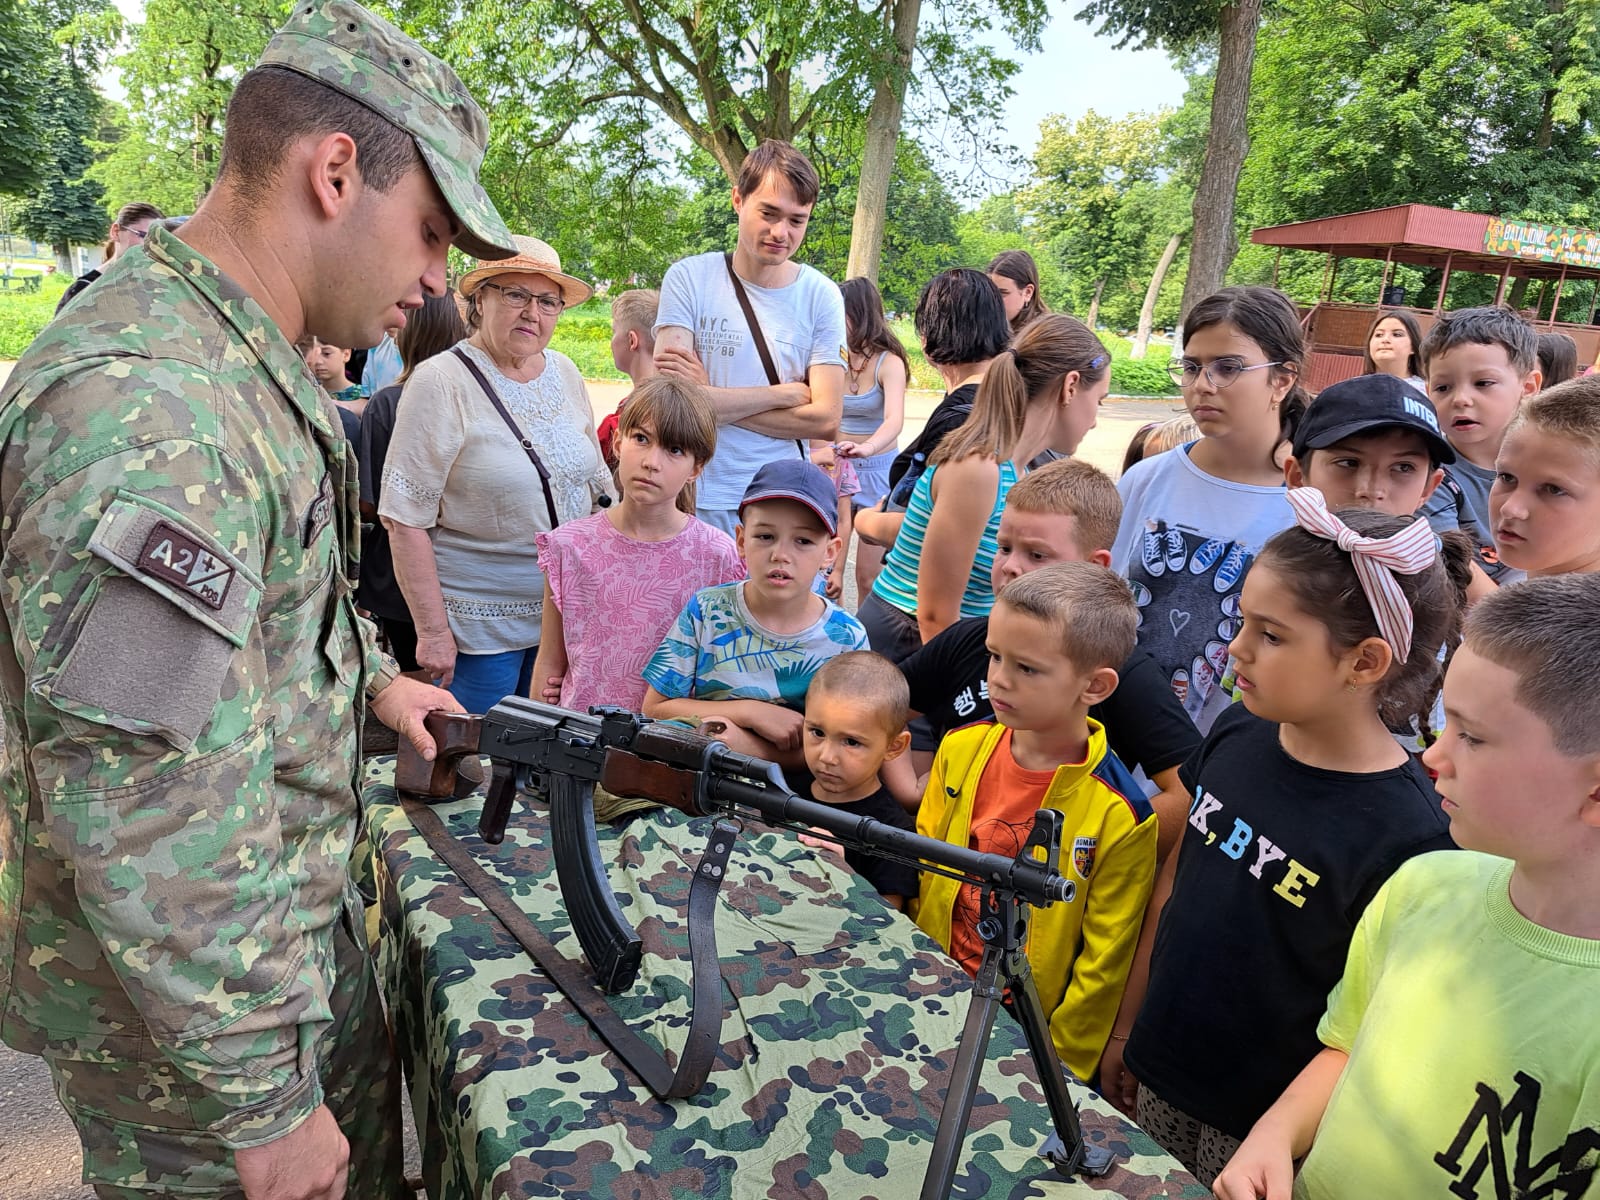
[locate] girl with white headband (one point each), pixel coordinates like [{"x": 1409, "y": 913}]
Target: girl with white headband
[{"x": 1303, "y": 805}]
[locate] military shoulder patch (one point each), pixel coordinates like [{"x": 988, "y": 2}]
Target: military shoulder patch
[
  {"x": 171, "y": 554},
  {"x": 1083, "y": 855}
]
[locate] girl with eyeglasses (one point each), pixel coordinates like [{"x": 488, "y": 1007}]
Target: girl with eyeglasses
[{"x": 1194, "y": 519}]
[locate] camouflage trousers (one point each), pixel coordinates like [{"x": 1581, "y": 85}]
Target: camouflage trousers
[{"x": 143, "y": 1125}]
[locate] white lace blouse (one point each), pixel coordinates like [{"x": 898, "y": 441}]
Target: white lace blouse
[{"x": 455, "y": 469}]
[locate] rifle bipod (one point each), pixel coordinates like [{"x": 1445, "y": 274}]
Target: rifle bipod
[{"x": 1003, "y": 927}]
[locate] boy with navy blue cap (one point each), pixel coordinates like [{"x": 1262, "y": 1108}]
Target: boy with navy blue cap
[
  {"x": 741, "y": 656},
  {"x": 1370, "y": 442}
]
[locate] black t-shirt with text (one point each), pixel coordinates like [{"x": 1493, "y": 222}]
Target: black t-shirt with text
[
  {"x": 1144, "y": 722},
  {"x": 1277, "y": 863}
]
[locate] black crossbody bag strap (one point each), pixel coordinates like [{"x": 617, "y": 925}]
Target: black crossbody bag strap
[
  {"x": 516, "y": 432},
  {"x": 755, "y": 332}
]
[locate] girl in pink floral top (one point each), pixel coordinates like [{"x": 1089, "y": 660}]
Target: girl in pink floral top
[{"x": 616, "y": 581}]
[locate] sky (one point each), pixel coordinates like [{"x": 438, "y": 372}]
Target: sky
[
  {"x": 1075, "y": 71},
  {"x": 1072, "y": 72}
]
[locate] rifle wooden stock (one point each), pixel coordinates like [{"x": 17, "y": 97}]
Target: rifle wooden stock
[{"x": 455, "y": 737}]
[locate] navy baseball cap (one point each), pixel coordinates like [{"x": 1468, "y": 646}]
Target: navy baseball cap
[
  {"x": 1369, "y": 402},
  {"x": 799, "y": 480}
]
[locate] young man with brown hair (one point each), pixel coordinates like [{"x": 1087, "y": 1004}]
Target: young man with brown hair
[{"x": 702, "y": 331}]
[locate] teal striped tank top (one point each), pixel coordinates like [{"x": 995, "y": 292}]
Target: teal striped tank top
[{"x": 897, "y": 582}]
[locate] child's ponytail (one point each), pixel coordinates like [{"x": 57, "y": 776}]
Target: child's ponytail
[{"x": 1046, "y": 352}]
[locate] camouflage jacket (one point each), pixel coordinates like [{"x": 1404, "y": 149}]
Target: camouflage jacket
[{"x": 180, "y": 670}]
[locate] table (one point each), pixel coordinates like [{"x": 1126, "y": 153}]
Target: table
[{"x": 829, "y": 1085}]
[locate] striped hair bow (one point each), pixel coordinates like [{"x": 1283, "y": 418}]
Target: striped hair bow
[{"x": 1377, "y": 560}]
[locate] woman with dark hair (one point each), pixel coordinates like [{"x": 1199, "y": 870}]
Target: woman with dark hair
[
  {"x": 1194, "y": 519},
  {"x": 1016, "y": 275},
  {"x": 1040, "y": 395},
  {"x": 128, "y": 229},
  {"x": 1394, "y": 347},
  {"x": 1558, "y": 359},
  {"x": 431, "y": 329},
  {"x": 876, "y": 372}
]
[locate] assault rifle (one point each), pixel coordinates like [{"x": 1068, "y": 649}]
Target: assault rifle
[{"x": 562, "y": 755}]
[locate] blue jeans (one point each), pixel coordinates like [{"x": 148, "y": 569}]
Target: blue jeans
[{"x": 483, "y": 680}]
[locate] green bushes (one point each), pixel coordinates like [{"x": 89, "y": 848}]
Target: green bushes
[{"x": 1144, "y": 376}]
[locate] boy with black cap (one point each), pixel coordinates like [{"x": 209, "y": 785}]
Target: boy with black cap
[
  {"x": 1370, "y": 442},
  {"x": 742, "y": 655}
]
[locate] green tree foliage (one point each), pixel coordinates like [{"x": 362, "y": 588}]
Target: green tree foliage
[
  {"x": 1188, "y": 27},
  {"x": 1095, "y": 183},
  {"x": 723, "y": 73},
  {"x": 23, "y": 56},
  {"x": 179, "y": 74},
  {"x": 1490, "y": 106},
  {"x": 64, "y": 208}
]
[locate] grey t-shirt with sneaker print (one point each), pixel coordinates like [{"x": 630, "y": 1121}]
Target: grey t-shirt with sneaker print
[{"x": 1185, "y": 542}]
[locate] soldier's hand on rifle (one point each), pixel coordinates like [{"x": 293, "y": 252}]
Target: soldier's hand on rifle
[
  {"x": 308, "y": 1163},
  {"x": 405, "y": 704},
  {"x": 436, "y": 654}
]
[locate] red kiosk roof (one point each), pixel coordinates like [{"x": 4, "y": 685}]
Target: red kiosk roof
[{"x": 1423, "y": 236}]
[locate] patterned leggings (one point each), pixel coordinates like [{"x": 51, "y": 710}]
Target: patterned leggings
[{"x": 1202, "y": 1148}]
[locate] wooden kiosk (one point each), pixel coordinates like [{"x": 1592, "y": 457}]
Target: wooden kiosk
[{"x": 1423, "y": 236}]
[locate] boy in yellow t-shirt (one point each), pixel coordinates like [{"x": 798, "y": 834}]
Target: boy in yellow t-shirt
[
  {"x": 1056, "y": 637},
  {"x": 1461, "y": 1044}
]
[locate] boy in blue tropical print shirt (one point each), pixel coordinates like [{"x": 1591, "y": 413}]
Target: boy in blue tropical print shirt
[{"x": 741, "y": 655}]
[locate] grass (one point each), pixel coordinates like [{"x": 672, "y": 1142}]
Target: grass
[
  {"x": 584, "y": 335},
  {"x": 22, "y": 315}
]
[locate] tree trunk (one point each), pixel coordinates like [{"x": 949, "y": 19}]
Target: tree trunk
[
  {"x": 883, "y": 131},
  {"x": 64, "y": 263},
  {"x": 1093, "y": 316},
  {"x": 1214, "y": 245},
  {"x": 1518, "y": 293},
  {"x": 1147, "y": 311}
]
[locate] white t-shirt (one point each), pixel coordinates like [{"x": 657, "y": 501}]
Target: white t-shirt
[
  {"x": 1185, "y": 542},
  {"x": 804, "y": 327}
]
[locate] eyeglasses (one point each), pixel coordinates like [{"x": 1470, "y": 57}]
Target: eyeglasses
[
  {"x": 1220, "y": 371},
  {"x": 516, "y": 298},
  {"x": 141, "y": 234}
]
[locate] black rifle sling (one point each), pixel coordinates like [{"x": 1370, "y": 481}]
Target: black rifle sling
[
  {"x": 516, "y": 431},
  {"x": 705, "y": 1020},
  {"x": 756, "y": 334}
]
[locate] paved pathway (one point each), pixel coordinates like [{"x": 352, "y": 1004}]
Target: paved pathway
[{"x": 39, "y": 1157}]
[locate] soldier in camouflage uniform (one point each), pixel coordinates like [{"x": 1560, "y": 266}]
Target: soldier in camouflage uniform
[{"x": 183, "y": 670}]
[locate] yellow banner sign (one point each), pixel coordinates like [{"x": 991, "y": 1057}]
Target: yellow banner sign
[{"x": 1543, "y": 243}]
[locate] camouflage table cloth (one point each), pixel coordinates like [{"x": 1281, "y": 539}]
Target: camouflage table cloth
[{"x": 835, "y": 1049}]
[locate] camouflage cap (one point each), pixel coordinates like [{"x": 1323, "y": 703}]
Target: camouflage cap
[{"x": 341, "y": 44}]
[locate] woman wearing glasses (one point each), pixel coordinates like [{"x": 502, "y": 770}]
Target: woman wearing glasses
[
  {"x": 1194, "y": 518},
  {"x": 128, "y": 230},
  {"x": 493, "y": 444}
]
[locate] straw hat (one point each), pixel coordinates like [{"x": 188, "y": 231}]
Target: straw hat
[{"x": 533, "y": 257}]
